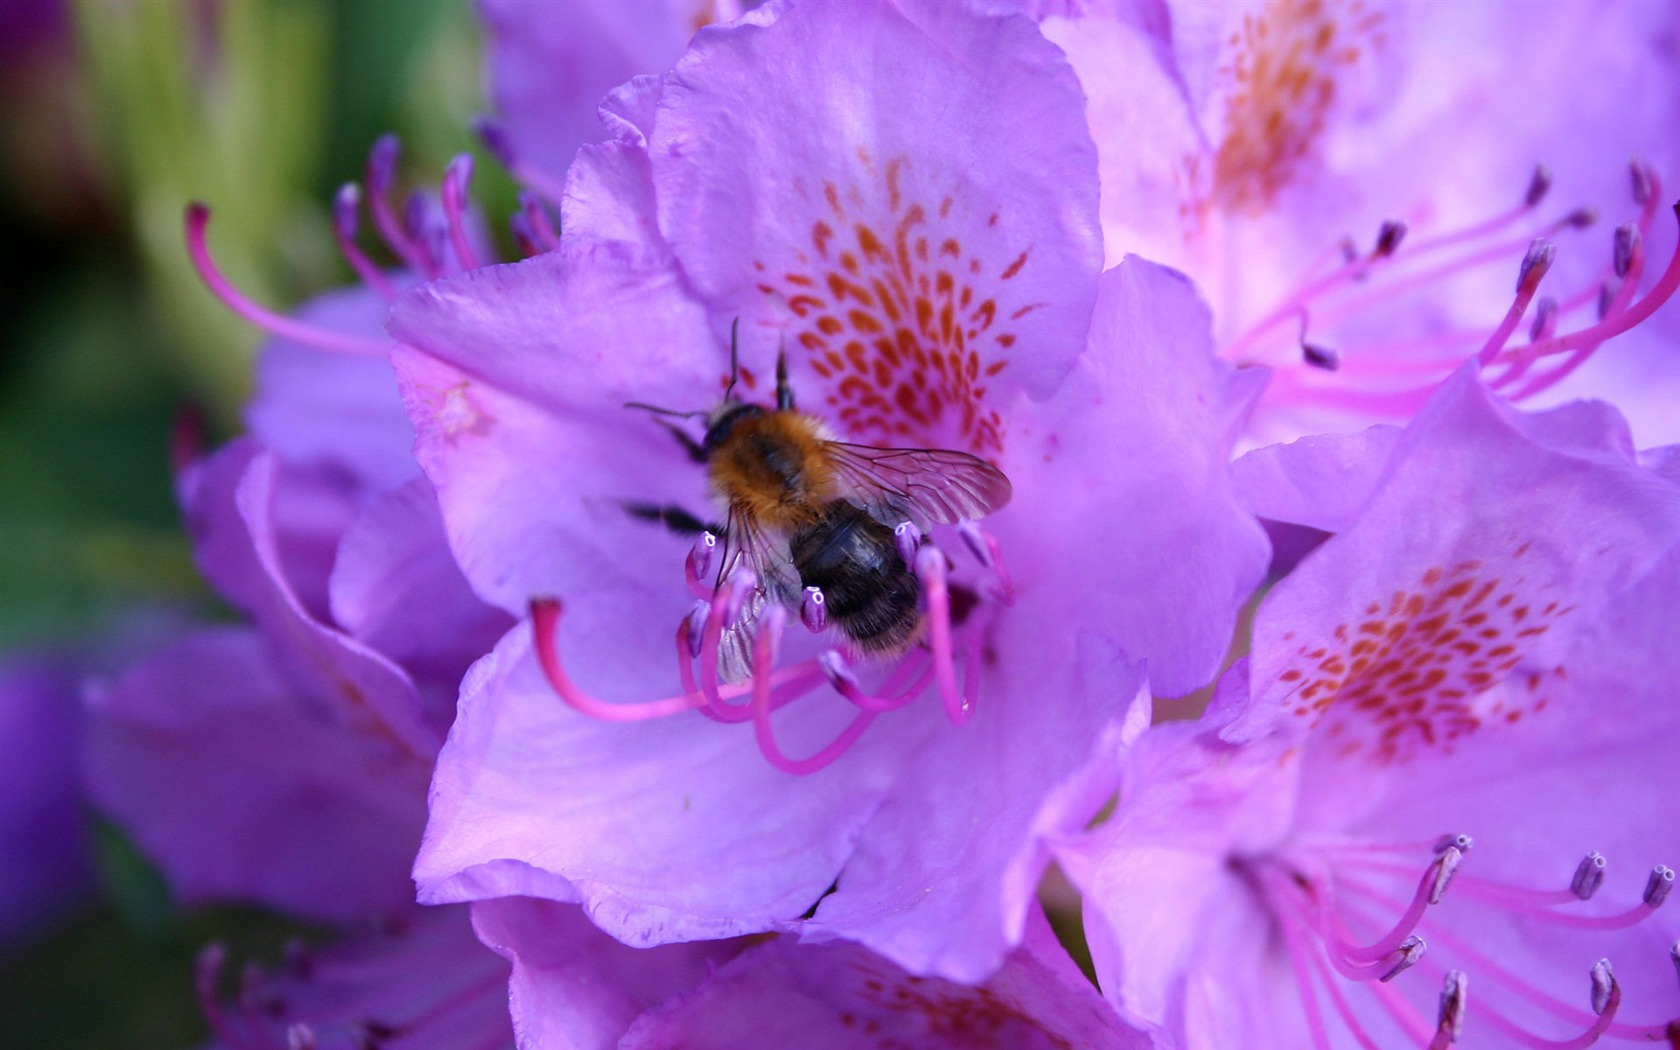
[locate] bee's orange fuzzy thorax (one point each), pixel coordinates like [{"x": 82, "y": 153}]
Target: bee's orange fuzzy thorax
[{"x": 773, "y": 469}]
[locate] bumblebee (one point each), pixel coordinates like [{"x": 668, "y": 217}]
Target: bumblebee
[{"x": 805, "y": 510}]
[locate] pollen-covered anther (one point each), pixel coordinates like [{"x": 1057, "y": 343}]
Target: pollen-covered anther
[
  {"x": 1459, "y": 841},
  {"x": 698, "y": 565},
  {"x": 1658, "y": 886},
  {"x": 1445, "y": 868},
  {"x": 694, "y": 627},
  {"x": 1321, "y": 357},
  {"x": 1455, "y": 989},
  {"x": 1393, "y": 231},
  {"x": 908, "y": 536},
  {"x": 1589, "y": 875},
  {"x": 1404, "y": 957},
  {"x": 1606, "y": 993},
  {"x": 1626, "y": 247},
  {"x": 1536, "y": 262},
  {"x": 813, "y": 610}
]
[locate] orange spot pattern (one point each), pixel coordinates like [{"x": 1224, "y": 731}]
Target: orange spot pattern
[
  {"x": 905, "y": 325},
  {"x": 956, "y": 1015},
  {"x": 1279, "y": 81},
  {"x": 1411, "y": 674}
]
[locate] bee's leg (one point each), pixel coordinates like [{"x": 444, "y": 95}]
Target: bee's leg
[
  {"x": 690, "y": 446},
  {"x": 672, "y": 517}
]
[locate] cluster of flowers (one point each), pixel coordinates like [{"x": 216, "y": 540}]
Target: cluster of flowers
[{"x": 1437, "y": 618}]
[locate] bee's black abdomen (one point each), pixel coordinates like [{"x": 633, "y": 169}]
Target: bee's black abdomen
[{"x": 869, "y": 592}]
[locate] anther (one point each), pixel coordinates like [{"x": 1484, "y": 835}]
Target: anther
[
  {"x": 975, "y": 540},
  {"x": 1643, "y": 184},
  {"x": 1460, "y": 842},
  {"x": 1388, "y": 238},
  {"x": 1658, "y": 886},
  {"x": 495, "y": 140},
  {"x": 347, "y": 204},
  {"x": 908, "y": 536},
  {"x": 1589, "y": 875},
  {"x": 1536, "y": 261},
  {"x": 1607, "y": 297},
  {"x": 1580, "y": 218},
  {"x": 1538, "y": 185},
  {"x": 700, "y": 556},
  {"x": 1321, "y": 356},
  {"x": 1604, "y": 989},
  {"x": 742, "y": 583},
  {"x": 1445, "y": 868},
  {"x": 1626, "y": 247},
  {"x": 1545, "y": 319},
  {"x": 1404, "y": 957},
  {"x": 695, "y": 627},
  {"x": 1454, "y": 992},
  {"x": 813, "y": 610}
]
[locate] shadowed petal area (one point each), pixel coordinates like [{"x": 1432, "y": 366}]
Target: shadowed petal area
[
  {"x": 924, "y": 241},
  {"x": 240, "y": 792},
  {"x": 326, "y": 411},
  {"x": 233, "y": 513},
  {"x": 573, "y": 986},
  {"x": 841, "y": 997}
]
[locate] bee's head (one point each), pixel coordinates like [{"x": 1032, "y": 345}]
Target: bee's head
[{"x": 723, "y": 420}]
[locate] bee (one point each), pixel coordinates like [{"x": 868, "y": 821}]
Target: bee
[{"x": 807, "y": 510}]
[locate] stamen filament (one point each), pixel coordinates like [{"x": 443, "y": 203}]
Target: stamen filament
[
  {"x": 455, "y": 179},
  {"x": 346, "y": 205},
  {"x": 545, "y": 627},
  {"x": 764, "y": 654},
  {"x": 536, "y": 214},
  {"x": 197, "y": 220},
  {"x": 930, "y": 567},
  {"x": 381, "y": 172}
]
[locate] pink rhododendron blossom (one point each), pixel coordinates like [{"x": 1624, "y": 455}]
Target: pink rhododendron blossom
[
  {"x": 1448, "y": 705},
  {"x": 925, "y": 248},
  {"x": 1352, "y": 182}
]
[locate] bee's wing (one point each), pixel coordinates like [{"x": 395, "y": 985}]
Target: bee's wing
[
  {"x": 778, "y": 581},
  {"x": 928, "y": 486}
]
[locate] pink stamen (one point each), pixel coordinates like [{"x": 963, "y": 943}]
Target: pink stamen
[
  {"x": 381, "y": 173},
  {"x": 989, "y": 553},
  {"x": 197, "y": 221},
  {"x": 496, "y": 141},
  {"x": 346, "y": 206},
  {"x": 764, "y": 654},
  {"x": 545, "y": 627},
  {"x": 698, "y": 565},
  {"x": 1285, "y": 909},
  {"x": 536, "y": 215},
  {"x": 455, "y": 179},
  {"x": 846, "y": 684},
  {"x": 1607, "y": 995},
  {"x": 1454, "y": 988},
  {"x": 1618, "y": 322},
  {"x": 1534, "y": 266},
  {"x": 931, "y": 569},
  {"x": 1429, "y": 890}
]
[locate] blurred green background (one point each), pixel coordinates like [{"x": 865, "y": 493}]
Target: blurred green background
[{"x": 115, "y": 114}]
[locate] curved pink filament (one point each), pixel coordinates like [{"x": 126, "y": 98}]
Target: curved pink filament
[
  {"x": 197, "y": 220},
  {"x": 764, "y": 644}
]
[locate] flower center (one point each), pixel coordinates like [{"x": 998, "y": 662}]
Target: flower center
[
  {"x": 1326, "y": 897},
  {"x": 905, "y": 309}
]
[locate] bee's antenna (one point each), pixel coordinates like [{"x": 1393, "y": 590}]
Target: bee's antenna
[
  {"x": 784, "y": 393},
  {"x": 734, "y": 358},
  {"x": 656, "y": 410}
]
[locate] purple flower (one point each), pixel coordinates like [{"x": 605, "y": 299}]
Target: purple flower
[
  {"x": 920, "y": 234},
  {"x": 1350, "y": 184},
  {"x": 575, "y": 987},
  {"x": 1478, "y": 657}
]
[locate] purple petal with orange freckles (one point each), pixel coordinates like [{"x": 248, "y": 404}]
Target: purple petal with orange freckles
[
  {"x": 572, "y": 985},
  {"x": 840, "y": 997},
  {"x": 1489, "y": 545},
  {"x": 240, "y": 792},
  {"x": 935, "y": 220}
]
